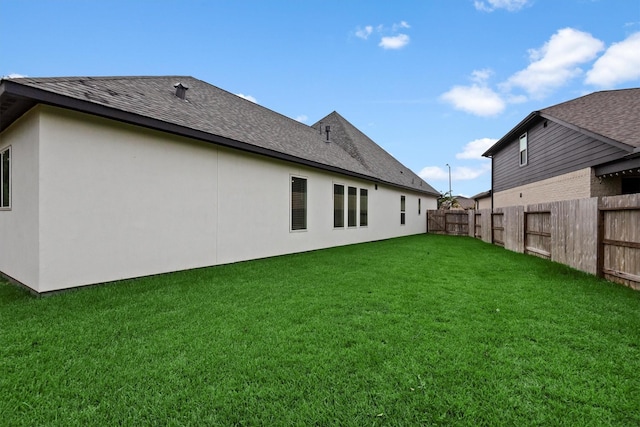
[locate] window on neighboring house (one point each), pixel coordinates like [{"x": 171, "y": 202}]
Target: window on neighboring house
[
  {"x": 298, "y": 203},
  {"x": 402, "y": 210},
  {"x": 338, "y": 205},
  {"x": 364, "y": 208},
  {"x": 419, "y": 206},
  {"x": 523, "y": 149},
  {"x": 352, "y": 206},
  {"x": 5, "y": 178}
]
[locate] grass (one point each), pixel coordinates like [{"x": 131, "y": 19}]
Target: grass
[{"x": 423, "y": 330}]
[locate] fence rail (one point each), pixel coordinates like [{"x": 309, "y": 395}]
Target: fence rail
[{"x": 597, "y": 235}]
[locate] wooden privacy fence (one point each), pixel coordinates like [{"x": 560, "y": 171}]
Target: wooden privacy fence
[
  {"x": 597, "y": 235},
  {"x": 452, "y": 222}
]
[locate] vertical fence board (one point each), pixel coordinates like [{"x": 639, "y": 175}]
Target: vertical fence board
[
  {"x": 513, "y": 228},
  {"x": 620, "y": 242}
]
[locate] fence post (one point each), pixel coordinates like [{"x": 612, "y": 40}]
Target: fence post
[{"x": 600, "y": 242}]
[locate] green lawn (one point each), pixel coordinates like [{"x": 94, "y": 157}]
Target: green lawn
[{"x": 424, "y": 330}]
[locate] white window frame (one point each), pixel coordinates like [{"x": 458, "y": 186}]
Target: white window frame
[
  {"x": 524, "y": 142},
  {"x": 403, "y": 210},
  {"x": 5, "y": 152}
]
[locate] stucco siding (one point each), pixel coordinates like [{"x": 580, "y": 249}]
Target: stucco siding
[
  {"x": 119, "y": 201},
  {"x": 19, "y": 226},
  {"x": 114, "y": 201},
  {"x": 254, "y": 221},
  {"x": 484, "y": 203}
]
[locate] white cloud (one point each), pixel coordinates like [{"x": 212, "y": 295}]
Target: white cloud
[
  {"x": 13, "y": 76},
  {"x": 401, "y": 24},
  {"x": 476, "y": 99},
  {"x": 620, "y": 63},
  {"x": 365, "y": 32},
  {"x": 475, "y": 149},
  {"x": 556, "y": 62},
  {"x": 481, "y": 76},
  {"x": 462, "y": 173},
  {"x": 433, "y": 173},
  {"x": 389, "y": 37},
  {"x": 247, "y": 97},
  {"x": 491, "y": 5},
  {"x": 302, "y": 118},
  {"x": 394, "y": 42}
]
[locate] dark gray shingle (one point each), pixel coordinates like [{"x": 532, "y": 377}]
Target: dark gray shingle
[{"x": 217, "y": 112}]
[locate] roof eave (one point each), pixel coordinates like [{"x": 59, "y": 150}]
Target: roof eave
[
  {"x": 39, "y": 96},
  {"x": 516, "y": 131}
]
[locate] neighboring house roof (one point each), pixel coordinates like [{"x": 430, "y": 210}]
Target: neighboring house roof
[
  {"x": 214, "y": 115},
  {"x": 465, "y": 202},
  {"x": 482, "y": 195},
  {"x": 612, "y": 117}
]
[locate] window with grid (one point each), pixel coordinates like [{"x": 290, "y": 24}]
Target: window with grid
[
  {"x": 352, "y": 206},
  {"x": 5, "y": 178},
  {"x": 364, "y": 207},
  {"x": 338, "y": 205},
  {"x": 298, "y": 203},
  {"x": 402, "y": 210}
]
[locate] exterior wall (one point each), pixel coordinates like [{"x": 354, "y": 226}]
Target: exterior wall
[
  {"x": 259, "y": 213},
  {"x": 605, "y": 186},
  {"x": 573, "y": 185},
  {"x": 118, "y": 201},
  {"x": 19, "y": 226},
  {"x": 553, "y": 151},
  {"x": 484, "y": 203}
]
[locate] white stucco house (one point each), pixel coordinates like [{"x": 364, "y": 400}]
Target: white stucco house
[{"x": 107, "y": 178}]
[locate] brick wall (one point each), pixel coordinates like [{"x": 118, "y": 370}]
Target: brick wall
[
  {"x": 570, "y": 186},
  {"x": 610, "y": 186}
]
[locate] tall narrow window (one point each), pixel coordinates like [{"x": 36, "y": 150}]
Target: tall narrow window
[
  {"x": 5, "y": 178},
  {"x": 402, "y": 210},
  {"x": 419, "y": 206},
  {"x": 298, "y": 203},
  {"x": 338, "y": 205},
  {"x": 352, "y": 207},
  {"x": 364, "y": 207},
  {"x": 523, "y": 149}
]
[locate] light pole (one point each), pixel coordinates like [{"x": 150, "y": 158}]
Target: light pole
[{"x": 450, "y": 194}]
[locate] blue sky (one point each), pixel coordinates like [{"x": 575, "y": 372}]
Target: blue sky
[{"x": 434, "y": 82}]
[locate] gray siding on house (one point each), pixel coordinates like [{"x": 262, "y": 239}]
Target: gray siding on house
[{"x": 552, "y": 150}]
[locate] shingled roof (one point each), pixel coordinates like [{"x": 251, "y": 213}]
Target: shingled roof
[
  {"x": 611, "y": 116},
  {"x": 214, "y": 115}
]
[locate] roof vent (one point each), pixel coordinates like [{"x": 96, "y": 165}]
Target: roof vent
[
  {"x": 181, "y": 90},
  {"x": 327, "y": 129}
]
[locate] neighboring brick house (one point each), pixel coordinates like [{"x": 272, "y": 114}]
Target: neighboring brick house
[{"x": 586, "y": 147}]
